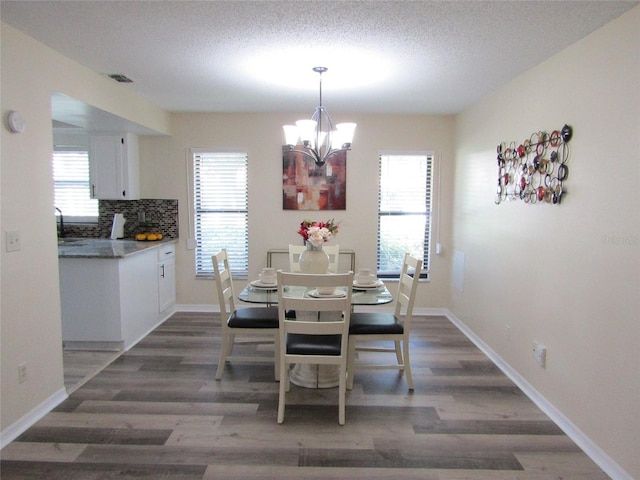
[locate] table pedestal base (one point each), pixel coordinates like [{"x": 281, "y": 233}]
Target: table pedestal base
[{"x": 315, "y": 376}]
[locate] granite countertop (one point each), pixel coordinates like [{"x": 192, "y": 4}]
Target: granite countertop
[{"x": 104, "y": 248}]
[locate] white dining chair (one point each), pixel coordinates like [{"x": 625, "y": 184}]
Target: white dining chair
[
  {"x": 294, "y": 257},
  {"x": 296, "y": 250},
  {"x": 375, "y": 327},
  {"x": 254, "y": 323},
  {"x": 312, "y": 341}
]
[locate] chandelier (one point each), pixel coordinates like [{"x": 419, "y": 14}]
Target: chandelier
[{"x": 319, "y": 138}]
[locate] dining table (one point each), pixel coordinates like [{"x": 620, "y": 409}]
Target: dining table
[
  {"x": 315, "y": 376},
  {"x": 377, "y": 294}
]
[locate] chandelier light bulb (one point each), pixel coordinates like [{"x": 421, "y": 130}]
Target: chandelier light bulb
[{"x": 291, "y": 134}]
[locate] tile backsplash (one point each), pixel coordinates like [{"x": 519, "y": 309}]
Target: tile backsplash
[{"x": 146, "y": 215}]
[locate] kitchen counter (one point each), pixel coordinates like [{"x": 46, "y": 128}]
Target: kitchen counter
[
  {"x": 104, "y": 248},
  {"x": 114, "y": 292}
]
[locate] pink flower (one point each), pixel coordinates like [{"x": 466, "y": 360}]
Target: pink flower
[{"x": 318, "y": 232}]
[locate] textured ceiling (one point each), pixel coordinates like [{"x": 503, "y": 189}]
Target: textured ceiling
[{"x": 252, "y": 56}]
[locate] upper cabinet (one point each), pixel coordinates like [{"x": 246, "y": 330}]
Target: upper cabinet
[{"x": 114, "y": 167}]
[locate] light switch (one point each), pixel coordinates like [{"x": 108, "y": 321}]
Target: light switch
[{"x": 13, "y": 241}]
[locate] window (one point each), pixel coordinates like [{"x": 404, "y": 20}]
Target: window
[
  {"x": 221, "y": 209},
  {"x": 72, "y": 187},
  {"x": 404, "y": 211}
]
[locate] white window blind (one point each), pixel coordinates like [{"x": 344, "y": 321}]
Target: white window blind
[
  {"x": 404, "y": 211},
  {"x": 221, "y": 210},
  {"x": 72, "y": 187}
]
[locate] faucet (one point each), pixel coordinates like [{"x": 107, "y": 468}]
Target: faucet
[{"x": 62, "y": 232}]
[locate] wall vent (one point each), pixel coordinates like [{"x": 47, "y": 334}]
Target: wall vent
[{"x": 120, "y": 78}]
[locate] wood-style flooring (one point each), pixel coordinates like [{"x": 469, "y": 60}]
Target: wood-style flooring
[
  {"x": 156, "y": 412},
  {"x": 80, "y": 366}
]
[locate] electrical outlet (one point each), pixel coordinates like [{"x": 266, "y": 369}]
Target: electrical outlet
[
  {"x": 22, "y": 373},
  {"x": 13, "y": 241},
  {"x": 540, "y": 354}
]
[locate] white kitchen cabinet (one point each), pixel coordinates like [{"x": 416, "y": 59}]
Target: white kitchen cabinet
[
  {"x": 166, "y": 277},
  {"x": 113, "y": 303},
  {"x": 114, "y": 167}
]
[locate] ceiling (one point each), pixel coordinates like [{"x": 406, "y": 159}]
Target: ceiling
[{"x": 410, "y": 57}]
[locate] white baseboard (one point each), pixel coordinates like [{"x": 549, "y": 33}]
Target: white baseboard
[
  {"x": 207, "y": 308},
  {"x": 166, "y": 315},
  {"x": 13, "y": 431},
  {"x": 593, "y": 451},
  {"x": 90, "y": 345},
  {"x": 431, "y": 312}
]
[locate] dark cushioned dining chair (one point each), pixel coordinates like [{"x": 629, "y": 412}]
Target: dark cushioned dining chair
[
  {"x": 396, "y": 327},
  {"x": 254, "y": 322},
  {"x": 314, "y": 342}
]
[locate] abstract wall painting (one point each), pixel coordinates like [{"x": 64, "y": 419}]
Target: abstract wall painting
[{"x": 305, "y": 186}]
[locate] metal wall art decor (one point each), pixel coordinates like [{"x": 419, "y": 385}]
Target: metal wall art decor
[{"x": 535, "y": 170}]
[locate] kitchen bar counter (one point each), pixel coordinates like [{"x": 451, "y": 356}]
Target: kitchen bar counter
[{"x": 104, "y": 248}]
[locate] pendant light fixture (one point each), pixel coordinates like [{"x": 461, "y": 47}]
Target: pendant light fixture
[{"x": 318, "y": 138}]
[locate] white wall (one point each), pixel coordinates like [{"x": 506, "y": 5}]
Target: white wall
[
  {"x": 569, "y": 275},
  {"x": 30, "y": 326},
  {"x": 163, "y": 173}
]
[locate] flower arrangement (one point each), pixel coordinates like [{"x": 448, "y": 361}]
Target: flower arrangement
[{"x": 318, "y": 232}]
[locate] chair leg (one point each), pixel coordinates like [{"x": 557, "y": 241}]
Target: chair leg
[
  {"x": 220, "y": 368},
  {"x": 225, "y": 351},
  {"x": 287, "y": 378},
  {"x": 398, "y": 352},
  {"x": 342, "y": 388},
  {"x": 351, "y": 363},
  {"x": 232, "y": 341},
  {"x": 407, "y": 363},
  {"x": 276, "y": 356},
  {"x": 284, "y": 380}
]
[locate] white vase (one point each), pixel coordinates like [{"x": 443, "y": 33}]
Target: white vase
[{"x": 314, "y": 259}]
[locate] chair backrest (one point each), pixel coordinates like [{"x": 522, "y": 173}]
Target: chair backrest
[
  {"x": 407, "y": 287},
  {"x": 296, "y": 250},
  {"x": 294, "y": 257},
  {"x": 339, "y": 325},
  {"x": 224, "y": 284},
  {"x": 334, "y": 256}
]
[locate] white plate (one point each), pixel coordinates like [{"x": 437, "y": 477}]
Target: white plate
[
  {"x": 376, "y": 284},
  {"x": 267, "y": 286},
  {"x": 316, "y": 294}
]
